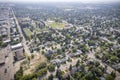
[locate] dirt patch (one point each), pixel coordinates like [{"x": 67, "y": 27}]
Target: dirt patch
[{"x": 38, "y": 58}]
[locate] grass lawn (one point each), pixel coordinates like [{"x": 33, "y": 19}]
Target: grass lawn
[
  {"x": 28, "y": 32},
  {"x": 37, "y": 30},
  {"x": 56, "y": 25}
]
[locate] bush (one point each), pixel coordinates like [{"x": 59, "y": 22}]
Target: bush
[
  {"x": 28, "y": 77},
  {"x": 97, "y": 56},
  {"x": 42, "y": 72},
  {"x": 42, "y": 65}
]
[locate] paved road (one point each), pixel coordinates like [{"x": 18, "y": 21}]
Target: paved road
[
  {"x": 21, "y": 34},
  {"x": 7, "y": 70}
]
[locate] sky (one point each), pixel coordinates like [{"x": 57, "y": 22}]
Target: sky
[{"x": 63, "y": 0}]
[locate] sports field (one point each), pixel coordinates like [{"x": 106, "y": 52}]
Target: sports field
[{"x": 56, "y": 25}]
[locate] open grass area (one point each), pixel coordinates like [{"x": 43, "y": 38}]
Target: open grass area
[
  {"x": 27, "y": 32},
  {"x": 56, "y": 25},
  {"x": 37, "y": 30}
]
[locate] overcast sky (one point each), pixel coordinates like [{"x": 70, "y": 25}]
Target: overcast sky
[{"x": 64, "y": 0}]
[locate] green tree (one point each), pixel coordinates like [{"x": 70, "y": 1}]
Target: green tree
[
  {"x": 51, "y": 67},
  {"x": 109, "y": 77},
  {"x": 40, "y": 66},
  {"x": 89, "y": 76},
  {"x": 74, "y": 50},
  {"x": 34, "y": 79},
  {"x": 58, "y": 74},
  {"x": 70, "y": 68},
  {"x": 51, "y": 77},
  {"x": 19, "y": 74},
  {"x": 42, "y": 72},
  {"x": 113, "y": 58},
  {"x": 78, "y": 63}
]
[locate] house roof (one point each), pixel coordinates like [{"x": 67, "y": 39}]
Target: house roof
[
  {"x": 117, "y": 66},
  {"x": 17, "y": 46}
]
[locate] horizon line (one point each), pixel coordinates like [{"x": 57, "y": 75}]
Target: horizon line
[{"x": 59, "y": 1}]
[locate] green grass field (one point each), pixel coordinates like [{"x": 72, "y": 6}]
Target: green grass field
[
  {"x": 27, "y": 32},
  {"x": 56, "y": 25}
]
